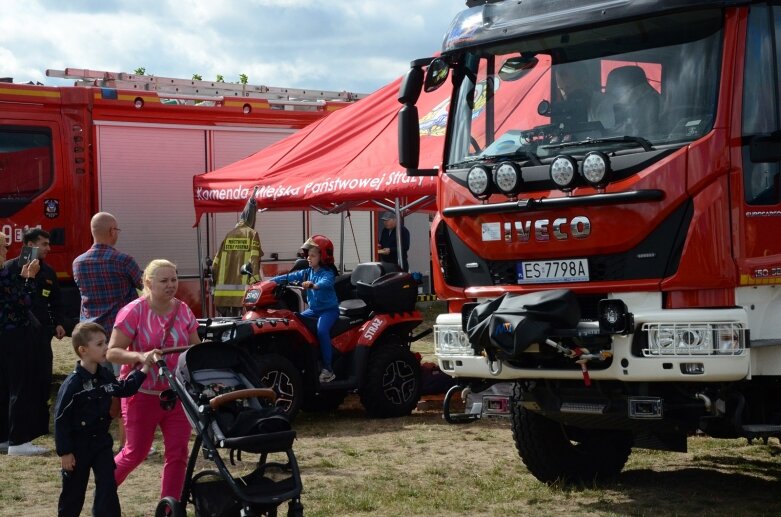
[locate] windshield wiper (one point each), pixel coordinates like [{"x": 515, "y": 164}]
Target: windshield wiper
[
  {"x": 517, "y": 154},
  {"x": 642, "y": 142}
]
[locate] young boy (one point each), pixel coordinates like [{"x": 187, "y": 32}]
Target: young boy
[{"x": 82, "y": 421}]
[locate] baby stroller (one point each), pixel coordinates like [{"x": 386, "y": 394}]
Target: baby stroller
[{"x": 224, "y": 401}]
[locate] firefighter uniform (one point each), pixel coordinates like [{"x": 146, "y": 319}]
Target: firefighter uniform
[
  {"x": 241, "y": 245},
  {"x": 47, "y": 309}
]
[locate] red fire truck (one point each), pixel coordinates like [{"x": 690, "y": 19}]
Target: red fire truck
[
  {"x": 608, "y": 219},
  {"x": 130, "y": 145}
]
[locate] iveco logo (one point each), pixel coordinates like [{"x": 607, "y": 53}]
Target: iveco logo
[{"x": 561, "y": 228}]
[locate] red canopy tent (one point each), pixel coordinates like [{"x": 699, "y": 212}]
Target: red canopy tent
[{"x": 346, "y": 160}]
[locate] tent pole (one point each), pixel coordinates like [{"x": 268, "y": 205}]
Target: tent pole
[
  {"x": 399, "y": 225},
  {"x": 200, "y": 271},
  {"x": 341, "y": 245}
]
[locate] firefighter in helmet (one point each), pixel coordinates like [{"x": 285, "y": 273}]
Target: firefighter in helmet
[{"x": 240, "y": 245}]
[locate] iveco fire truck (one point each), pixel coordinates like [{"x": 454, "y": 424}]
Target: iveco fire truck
[
  {"x": 130, "y": 145},
  {"x": 608, "y": 223}
]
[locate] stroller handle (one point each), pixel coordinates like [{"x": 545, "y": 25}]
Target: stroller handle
[{"x": 266, "y": 393}]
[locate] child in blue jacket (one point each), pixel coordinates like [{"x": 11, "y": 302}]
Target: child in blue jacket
[{"x": 318, "y": 280}]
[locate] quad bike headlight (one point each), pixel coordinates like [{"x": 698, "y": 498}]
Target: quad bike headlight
[{"x": 252, "y": 296}]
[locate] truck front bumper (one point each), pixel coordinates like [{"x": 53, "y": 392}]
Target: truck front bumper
[{"x": 457, "y": 359}]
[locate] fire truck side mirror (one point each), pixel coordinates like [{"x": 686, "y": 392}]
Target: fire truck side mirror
[
  {"x": 766, "y": 148},
  {"x": 411, "y": 85},
  {"x": 436, "y": 74},
  {"x": 409, "y": 137}
]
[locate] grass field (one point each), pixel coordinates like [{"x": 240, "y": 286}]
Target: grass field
[{"x": 419, "y": 465}]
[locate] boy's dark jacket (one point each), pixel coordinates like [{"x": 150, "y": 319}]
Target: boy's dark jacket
[{"x": 83, "y": 404}]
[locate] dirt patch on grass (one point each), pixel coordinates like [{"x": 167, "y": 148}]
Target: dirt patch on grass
[{"x": 420, "y": 465}]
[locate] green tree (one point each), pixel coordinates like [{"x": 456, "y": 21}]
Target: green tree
[
  {"x": 140, "y": 71},
  {"x": 220, "y": 78},
  {"x": 243, "y": 79},
  {"x": 197, "y": 77}
]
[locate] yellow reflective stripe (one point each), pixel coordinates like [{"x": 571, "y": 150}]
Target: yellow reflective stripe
[{"x": 229, "y": 293}]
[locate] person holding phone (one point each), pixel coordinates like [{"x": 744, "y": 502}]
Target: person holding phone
[
  {"x": 48, "y": 320},
  {"x": 17, "y": 387}
]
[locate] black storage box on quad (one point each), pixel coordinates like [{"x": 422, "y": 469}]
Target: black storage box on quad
[{"x": 393, "y": 292}]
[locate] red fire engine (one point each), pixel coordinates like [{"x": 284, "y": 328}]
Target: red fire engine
[
  {"x": 608, "y": 218},
  {"x": 130, "y": 145}
]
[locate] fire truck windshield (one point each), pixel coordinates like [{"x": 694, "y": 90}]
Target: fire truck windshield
[{"x": 624, "y": 86}]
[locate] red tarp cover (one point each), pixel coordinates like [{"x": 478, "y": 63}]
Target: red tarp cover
[{"x": 350, "y": 155}]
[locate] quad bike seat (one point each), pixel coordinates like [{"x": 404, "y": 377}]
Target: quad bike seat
[
  {"x": 341, "y": 325},
  {"x": 353, "y": 305}
]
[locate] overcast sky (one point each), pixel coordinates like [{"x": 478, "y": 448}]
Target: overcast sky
[{"x": 353, "y": 45}]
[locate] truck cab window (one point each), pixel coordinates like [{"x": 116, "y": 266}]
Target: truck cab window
[
  {"x": 26, "y": 167},
  {"x": 761, "y": 101}
]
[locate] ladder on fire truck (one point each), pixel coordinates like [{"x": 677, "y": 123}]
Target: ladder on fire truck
[{"x": 195, "y": 90}]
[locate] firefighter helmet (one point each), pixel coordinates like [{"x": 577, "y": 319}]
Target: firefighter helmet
[{"x": 325, "y": 246}]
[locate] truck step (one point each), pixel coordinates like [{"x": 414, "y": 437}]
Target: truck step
[{"x": 759, "y": 430}]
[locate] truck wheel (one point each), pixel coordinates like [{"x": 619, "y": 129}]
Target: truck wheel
[
  {"x": 554, "y": 452},
  {"x": 324, "y": 402},
  {"x": 392, "y": 385},
  {"x": 279, "y": 374}
]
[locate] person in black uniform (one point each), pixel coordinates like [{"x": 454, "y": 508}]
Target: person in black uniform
[
  {"x": 47, "y": 323},
  {"x": 82, "y": 420},
  {"x": 388, "y": 249}
]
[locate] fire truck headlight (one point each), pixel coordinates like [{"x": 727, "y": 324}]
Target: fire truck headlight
[
  {"x": 252, "y": 296},
  {"x": 562, "y": 172},
  {"x": 479, "y": 181},
  {"x": 730, "y": 339},
  {"x": 596, "y": 169},
  {"x": 507, "y": 178},
  {"x": 695, "y": 338},
  {"x": 451, "y": 340}
]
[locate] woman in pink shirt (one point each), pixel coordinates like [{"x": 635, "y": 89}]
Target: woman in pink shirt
[{"x": 157, "y": 320}]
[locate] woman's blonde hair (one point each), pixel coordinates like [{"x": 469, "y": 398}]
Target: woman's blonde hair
[{"x": 151, "y": 269}]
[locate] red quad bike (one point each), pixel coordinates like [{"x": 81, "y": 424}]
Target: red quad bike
[{"x": 371, "y": 341}]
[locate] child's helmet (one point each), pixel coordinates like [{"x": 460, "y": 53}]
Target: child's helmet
[{"x": 325, "y": 246}]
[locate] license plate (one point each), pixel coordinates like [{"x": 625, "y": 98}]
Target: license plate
[{"x": 549, "y": 271}]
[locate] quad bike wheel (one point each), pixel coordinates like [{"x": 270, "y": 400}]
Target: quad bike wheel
[
  {"x": 553, "y": 452},
  {"x": 169, "y": 507},
  {"x": 392, "y": 385},
  {"x": 279, "y": 374}
]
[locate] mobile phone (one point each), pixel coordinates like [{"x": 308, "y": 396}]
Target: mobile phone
[{"x": 28, "y": 254}]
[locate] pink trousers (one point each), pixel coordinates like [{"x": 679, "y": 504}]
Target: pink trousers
[{"x": 142, "y": 414}]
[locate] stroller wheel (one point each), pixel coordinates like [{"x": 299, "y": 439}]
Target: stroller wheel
[
  {"x": 295, "y": 509},
  {"x": 170, "y": 507}
]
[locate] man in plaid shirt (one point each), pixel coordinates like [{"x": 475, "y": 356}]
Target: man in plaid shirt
[{"x": 107, "y": 278}]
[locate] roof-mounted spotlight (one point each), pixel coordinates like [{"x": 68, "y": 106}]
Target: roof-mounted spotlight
[
  {"x": 478, "y": 179},
  {"x": 563, "y": 171},
  {"x": 595, "y": 169},
  {"x": 508, "y": 179}
]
